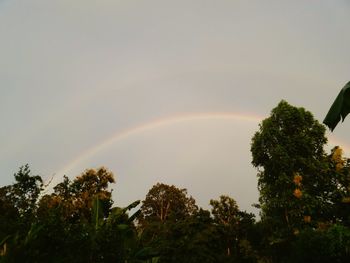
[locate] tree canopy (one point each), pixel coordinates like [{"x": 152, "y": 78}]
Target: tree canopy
[{"x": 304, "y": 206}]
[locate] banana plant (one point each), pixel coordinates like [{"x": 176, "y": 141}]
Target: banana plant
[{"x": 117, "y": 227}]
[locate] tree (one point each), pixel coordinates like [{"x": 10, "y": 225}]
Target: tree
[
  {"x": 288, "y": 152},
  {"x": 74, "y": 199},
  {"x": 225, "y": 212},
  {"x": 25, "y": 191},
  {"x": 164, "y": 202},
  {"x": 322, "y": 245},
  {"x": 233, "y": 227},
  {"x": 59, "y": 227},
  {"x": 90, "y": 185},
  {"x": 18, "y": 207},
  {"x": 164, "y": 209},
  {"x": 67, "y": 215},
  {"x": 9, "y": 215},
  {"x": 339, "y": 187}
]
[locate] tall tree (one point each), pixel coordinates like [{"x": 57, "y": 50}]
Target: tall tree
[
  {"x": 18, "y": 202},
  {"x": 164, "y": 214},
  {"x": 288, "y": 152},
  {"x": 63, "y": 229},
  {"x": 18, "y": 207},
  {"x": 339, "y": 187},
  {"x": 226, "y": 215},
  {"x": 75, "y": 198},
  {"x": 25, "y": 191},
  {"x": 233, "y": 227},
  {"x": 167, "y": 202}
]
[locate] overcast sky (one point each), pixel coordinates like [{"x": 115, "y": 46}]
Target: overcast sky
[{"x": 162, "y": 91}]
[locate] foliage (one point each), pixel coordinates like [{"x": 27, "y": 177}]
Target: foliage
[
  {"x": 75, "y": 223},
  {"x": 165, "y": 212},
  {"x": 288, "y": 150},
  {"x": 304, "y": 202},
  {"x": 339, "y": 188},
  {"x": 234, "y": 228},
  {"x": 166, "y": 202},
  {"x": 330, "y": 245}
]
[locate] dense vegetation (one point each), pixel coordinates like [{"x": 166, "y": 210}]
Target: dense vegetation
[{"x": 304, "y": 204}]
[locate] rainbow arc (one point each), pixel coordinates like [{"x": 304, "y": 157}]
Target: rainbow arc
[{"x": 171, "y": 120}]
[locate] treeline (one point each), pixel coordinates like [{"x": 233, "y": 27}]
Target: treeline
[
  {"x": 304, "y": 210},
  {"x": 78, "y": 223}
]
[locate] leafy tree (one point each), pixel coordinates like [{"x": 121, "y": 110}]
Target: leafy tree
[
  {"x": 163, "y": 210},
  {"x": 339, "y": 188},
  {"x": 24, "y": 193},
  {"x": 90, "y": 185},
  {"x": 322, "y": 245},
  {"x": 9, "y": 215},
  {"x": 234, "y": 228},
  {"x": 74, "y": 199},
  {"x": 226, "y": 215},
  {"x": 18, "y": 206},
  {"x": 296, "y": 180},
  {"x": 76, "y": 223},
  {"x": 164, "y": 202},
  {"x": 68, "y": 215},
  {"x": 288, "y": 151}
]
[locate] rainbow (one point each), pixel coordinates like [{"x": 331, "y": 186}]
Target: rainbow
[
  {"x": 171, "y": 120},
  {"x": 154, "y": 124}
]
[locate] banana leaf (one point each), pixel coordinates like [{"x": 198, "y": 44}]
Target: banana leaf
[{"x": 339, "y": 109}]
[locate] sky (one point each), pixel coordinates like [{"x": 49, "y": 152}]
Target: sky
[{"x": 162, "y": 91}]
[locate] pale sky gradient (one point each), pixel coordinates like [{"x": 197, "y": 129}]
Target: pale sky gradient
[{"x": 75, "y": 74}]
